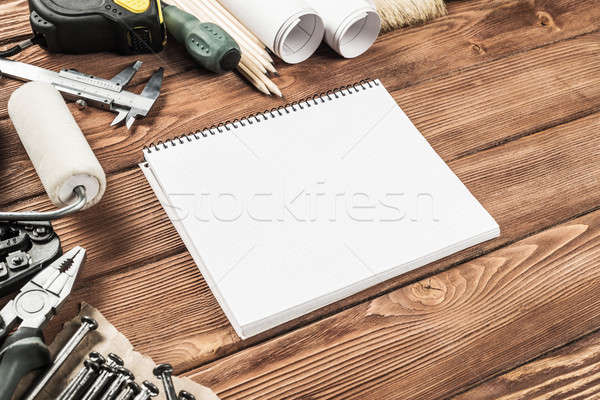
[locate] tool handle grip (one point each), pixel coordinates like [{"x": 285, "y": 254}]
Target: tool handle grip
[
  {"x": 207, "y": 43},
  {"x": 22, "y": 353}
]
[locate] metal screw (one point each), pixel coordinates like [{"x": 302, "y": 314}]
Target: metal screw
[
  {"x": 107, "y": 374},
  {"x": 41, "y": 230},
  {"x": 183, "y": 395},
  {"x": 18, "y": 260},
  {"x": 123, "y": 376},
  {"x": 87, "y": 325},
  {"x": 81, "y": 381},
  {"x": 97, "y": 357},
  {"x": 149, "y": 390},
  {"x": 114, "y": 360},
  {"x": 94, "y": 357},
  {"x": 163, "y": 372},
  {"x": 81, "y": 104},
  {"x": 3, "y": 271},
  {"x": 131, "y": 390}
]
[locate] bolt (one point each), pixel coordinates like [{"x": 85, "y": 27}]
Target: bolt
[
  {"x": 123, "y": 376},
  {"x": 131, "y": 390},
  {"x": 18, "y": 260},
  {"x": 163, "y": 372},
  {"x": 81, "y": 104},
  {"x": 40, "y": 230},
  {"x": 87, "y": 325},
  {"x": 81, "y": 380},
  {"x": 149, "y": 390},
  {"x": 94, "y": 358},
  {"x": 3, "y": 271},
  {"x": 114, "y": 360},
  {"x": 183, "y": 395},
  {"x": 97, "y": 357},
  {"x": 106, "y": 376}
]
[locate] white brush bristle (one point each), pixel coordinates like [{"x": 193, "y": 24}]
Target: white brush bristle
[{"x": 398, "y": 13}]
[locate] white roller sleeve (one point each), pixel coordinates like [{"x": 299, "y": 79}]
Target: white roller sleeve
[{"x": 55, "y": 144}]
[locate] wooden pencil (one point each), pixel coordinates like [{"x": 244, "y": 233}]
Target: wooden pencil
[
  {"x": 234, "y": 20},
  {"x": 236, "y": 27},
  {"x": 254, "y": 79},
  {"x": 268, "y": 82}
]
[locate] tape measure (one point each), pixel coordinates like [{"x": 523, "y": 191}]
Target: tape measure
[{"x": 89, "y": 26}]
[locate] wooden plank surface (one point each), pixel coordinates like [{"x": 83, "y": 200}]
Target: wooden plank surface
[
  {"x": 571, "y": 372},
  {"x": 505, "y": 90},
  {"x": 400, "y": 59},
  {"x": 437, "y": 336},
  {"x": 512, "y": 180},
  {"x": 442, "y": 110}
]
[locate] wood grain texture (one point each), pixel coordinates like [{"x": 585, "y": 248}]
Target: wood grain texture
[
  {"x": 432, "y": 338},
  {"x": 458, "y": 114},
  {"x": 495, "y": 29},
  {"x": 128, "y": 228},
  {"x": 155, "y": 305},
  {"x": 527, "y": 185},
  {"x": 14, "y": 25},
  {"x": 486, "y": 86},
  {"x": 131, "y": 211},
  {"x": 571, "y": 372}
]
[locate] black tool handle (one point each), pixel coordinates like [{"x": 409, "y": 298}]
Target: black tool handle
[{"x": 22, "y": 353}]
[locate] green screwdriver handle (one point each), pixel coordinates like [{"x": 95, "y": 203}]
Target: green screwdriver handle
[{"x": 206, "y": 42}]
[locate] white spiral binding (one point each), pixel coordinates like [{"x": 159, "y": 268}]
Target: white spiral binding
[{"x": 296, "y": 106}]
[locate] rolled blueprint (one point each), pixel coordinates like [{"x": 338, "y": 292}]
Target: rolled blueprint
[
  {"x": 292, "y": 29},
  {"x": 351, "y": 26}
]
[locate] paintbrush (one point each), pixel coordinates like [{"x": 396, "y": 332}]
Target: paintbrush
[{"x": 400, "y": 13}]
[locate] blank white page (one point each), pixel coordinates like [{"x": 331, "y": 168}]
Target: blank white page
[{"x": 310, "y": 205}]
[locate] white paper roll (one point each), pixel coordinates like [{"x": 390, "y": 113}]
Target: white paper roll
[
  {"x": 291, "y": 29},
  {"x": 351, "y": 26},
  {"x": 55, "y": 144}
]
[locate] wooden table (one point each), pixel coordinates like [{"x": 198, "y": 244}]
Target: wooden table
[{"x": 507, "y": 92}]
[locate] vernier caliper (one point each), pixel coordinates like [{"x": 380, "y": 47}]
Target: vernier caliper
[{"x": 90, "y": 90}]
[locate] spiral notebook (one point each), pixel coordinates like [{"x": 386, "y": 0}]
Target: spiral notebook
[{"x": 289, "y": 210}]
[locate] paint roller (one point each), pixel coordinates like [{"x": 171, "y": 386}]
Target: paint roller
[{"x": 62, "y": 157}]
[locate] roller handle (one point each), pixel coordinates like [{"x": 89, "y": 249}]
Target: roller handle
[
  {"x": 77, "y": 205},
  {"x": 207, "y": 43},
  {"x": 23, "y": 352}
]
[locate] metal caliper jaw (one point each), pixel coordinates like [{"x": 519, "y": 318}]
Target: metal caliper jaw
[{"x": 85, "y": 89}]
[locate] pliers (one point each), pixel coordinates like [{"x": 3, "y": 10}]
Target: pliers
[{"x": 38, "y": 301}]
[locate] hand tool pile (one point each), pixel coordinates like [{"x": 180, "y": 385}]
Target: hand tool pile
[
  {"x": 24, "y": 350},
  {"x": 124, "y": 27},
  {"x": 30, "y": 250},
  {"x": 25, "y": 248},
  {"x": 106, "y": 378}
]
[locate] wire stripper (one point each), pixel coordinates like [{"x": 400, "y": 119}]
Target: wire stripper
[{"x": 23, "y": 350}]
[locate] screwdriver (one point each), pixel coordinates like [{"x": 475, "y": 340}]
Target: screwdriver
[{"x": 207, "y": 43}]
